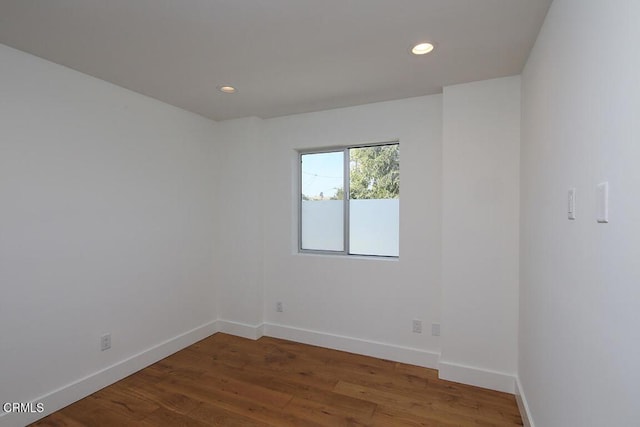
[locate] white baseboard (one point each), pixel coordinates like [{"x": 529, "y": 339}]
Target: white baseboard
[
  {"x": 396, "y": 353},
  {"x": 83, "y": 387},
  {"x": 244, "y": 330},
  {"x": 523, "y": 406},
  {"x": 77, "y": 390},
  {"x": 475, "y": 376},
  {"x": 380, "y": 350}
]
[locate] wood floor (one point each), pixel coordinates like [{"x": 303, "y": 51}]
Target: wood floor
[{"x": 230, "y": 381}]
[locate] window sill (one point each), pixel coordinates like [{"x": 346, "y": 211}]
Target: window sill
[{"x": 349, "y": 257}]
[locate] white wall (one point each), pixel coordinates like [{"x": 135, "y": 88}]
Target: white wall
[
  {"x": 106, "y": 225},
  {"x": 362, "y": 304},
  {"x": 240, "y": 247},
  {"x": 481, "y": 149},
  {"x": 367, "y": 305},
  {"x": 369, "y": 299},
  {"x": 580, "y": 293},
  {"x": 122, "y": 214}
]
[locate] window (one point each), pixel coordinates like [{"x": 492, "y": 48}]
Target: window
[{"x": 349, "y": 200}]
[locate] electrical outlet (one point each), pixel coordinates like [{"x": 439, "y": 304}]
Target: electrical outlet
[
  {"x": 417, "y": 326},
  {"x": 105, "y": 342},
  {"x": 279, "y": 308},
  {"x": 435, "y": 329}
]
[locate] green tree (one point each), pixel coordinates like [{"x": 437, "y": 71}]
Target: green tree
[
  {"x": 375, "y": 172},
  {"x": 339, "y": 194}
]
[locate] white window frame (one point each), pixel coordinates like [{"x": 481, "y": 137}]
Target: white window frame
[{"x": 346, "y": 182}]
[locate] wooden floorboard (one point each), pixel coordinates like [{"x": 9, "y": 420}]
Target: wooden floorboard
[{"x": 230, "y": 381}]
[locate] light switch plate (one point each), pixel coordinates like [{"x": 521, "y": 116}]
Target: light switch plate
[
  {"x": 572, "y": 203},
  {"x": 603, "y": 202}
]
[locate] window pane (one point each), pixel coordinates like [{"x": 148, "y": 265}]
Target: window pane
[
  {"x": 322, "y": 210},
  {"x": 374, "y": 205},
  {"x": 373, "y": 224}
]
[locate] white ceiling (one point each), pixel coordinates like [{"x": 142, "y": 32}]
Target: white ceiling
[{"x": 284, "y": 56}]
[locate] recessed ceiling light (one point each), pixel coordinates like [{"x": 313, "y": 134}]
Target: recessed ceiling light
[
  {"x": 422, "y": 48},
  {"x": 227, "y": 89}
]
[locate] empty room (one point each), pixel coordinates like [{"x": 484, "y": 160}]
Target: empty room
[{"x": 319, "y": 212}]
